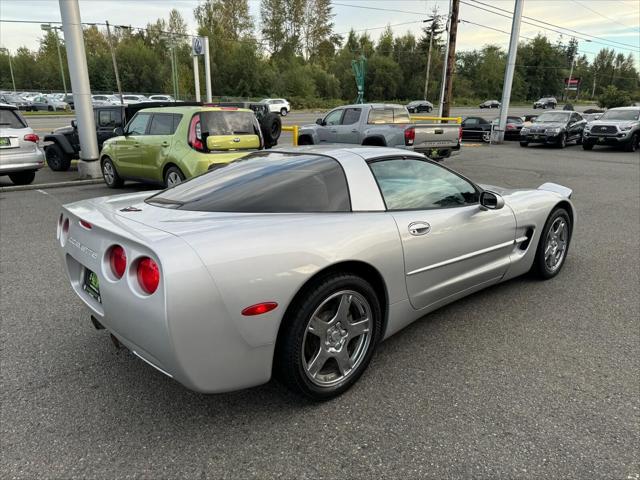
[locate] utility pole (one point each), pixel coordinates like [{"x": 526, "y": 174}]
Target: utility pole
[
  {"x": 115, "y": 63},
  {"x": 444, "y": 64},
  {"x": 207, "y": 69},
  {"x": 433, "y": 20},
  {"x": 47, "y": 27},
  {"x": 196, "y": 77},
  {"x": 13, "y": 80},
  {"x": 568, "y": 86},
  {"x": 508, "y": 74},
  {"x": 88, "y": 167},
  {"x": 451, "y": 57},
  {"x": 593, "y": 92}
]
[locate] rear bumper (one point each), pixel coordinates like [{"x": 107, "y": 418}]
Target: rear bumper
[{"x": 17, "y": 161}]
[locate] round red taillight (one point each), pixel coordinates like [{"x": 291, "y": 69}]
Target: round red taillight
[
  {"x": 148, "y": 275},
  {"x": 118, "y": 261}
]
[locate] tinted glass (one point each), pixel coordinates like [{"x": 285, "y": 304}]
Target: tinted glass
[
  {"x": 351, "y": 116},
  {"x": 138, "y": 124},
  {"x": 9, "y": 119},
  {"x": 575, "y": 117},
  {"x": 107, "y": 118},
  {"x": 333, "y": 118},
  {"x": 469, "y": 122},
  {"x": 409, "y": 184},
  {"x": 552, "y": 117},
  {"x": 177, "y": 118},
  {"x": 228, "y": 123},
  {"x": 380, "y": 115},
  {"x": 264, "y": 182},
  {"x": 161, "y": 124}
]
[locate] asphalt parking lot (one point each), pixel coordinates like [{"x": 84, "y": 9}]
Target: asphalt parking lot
[{"x": 527, "y": 379}]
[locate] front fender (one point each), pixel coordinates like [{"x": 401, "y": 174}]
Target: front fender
[{"x": 61, "y": 141}]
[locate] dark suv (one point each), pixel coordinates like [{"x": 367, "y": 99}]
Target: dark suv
[{"x": 545, "y": 102}]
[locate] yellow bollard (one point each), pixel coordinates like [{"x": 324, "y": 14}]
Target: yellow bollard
[{"x": 294, "y": 129}]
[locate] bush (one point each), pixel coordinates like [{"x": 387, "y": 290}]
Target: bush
[{"x": 612, "y": 97}]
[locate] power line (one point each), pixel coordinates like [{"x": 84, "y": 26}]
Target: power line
[
  {"x": 603, "y": 15},
  {"x": 598, "y": 39}
]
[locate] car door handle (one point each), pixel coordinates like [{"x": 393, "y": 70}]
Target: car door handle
[
  {"x": 419, "y": 228},
  {"x": 136, "y": 144},
  {"x": 334, "y": 131},
  {"x": 354, "y": 130}
]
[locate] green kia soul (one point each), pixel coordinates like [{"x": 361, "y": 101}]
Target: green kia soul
[{"x": 166, "y": 145}]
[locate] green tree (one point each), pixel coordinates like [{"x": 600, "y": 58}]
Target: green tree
[{"x": 612, "y": 97}]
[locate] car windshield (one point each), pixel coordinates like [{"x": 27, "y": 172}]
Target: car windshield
[
  {"x": 265, "y": 182},
  {"x": 228, "y": 123},
  {"x": 620, "y": 115},
  {"x": 552, "y": 117}
]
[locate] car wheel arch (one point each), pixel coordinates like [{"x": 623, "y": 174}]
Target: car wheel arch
[
  {"x": 569, "y": 208},
  {"x": 359, "y": 268},
  {"x": 375, "y": 141}
]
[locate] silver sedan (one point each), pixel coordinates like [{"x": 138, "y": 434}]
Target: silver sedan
[{"x": 298, "y": 263}]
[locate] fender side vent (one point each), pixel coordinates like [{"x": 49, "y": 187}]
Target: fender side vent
[{"x": 529, "y": 235}]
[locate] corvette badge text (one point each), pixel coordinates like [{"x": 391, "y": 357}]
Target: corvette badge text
[{"x": 82, "y": 248}]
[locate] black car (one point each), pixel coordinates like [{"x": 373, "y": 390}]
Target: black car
[
  {"x": 513, "y": 127},
  {"x": 545, "y": 102},
  {"x": 476, "y": 128},
  {"x": 490, "y": 104},
  {"x": 554, "y": 128},
  {"x": 419, "y": 106}
]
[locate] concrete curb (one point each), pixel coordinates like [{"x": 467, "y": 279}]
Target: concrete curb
[{"x": 39, "y": 186}]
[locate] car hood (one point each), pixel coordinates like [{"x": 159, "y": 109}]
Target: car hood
[
  {"x": 619, "y": 123},
  {"x": 64, "y": 130}
]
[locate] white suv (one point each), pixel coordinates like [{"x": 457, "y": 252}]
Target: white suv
[
  {"x": 278, "y": 105},
  {"x": 20, "y": 154}
]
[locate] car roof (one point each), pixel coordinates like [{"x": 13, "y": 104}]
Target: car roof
[
  {"x": 626, "y": 108},
  {"x": 372, "y": 105},
  {"x": 192, "y": 108},
  {"x": 337, "y": 150},
  {"x": 6, "y": 106}
]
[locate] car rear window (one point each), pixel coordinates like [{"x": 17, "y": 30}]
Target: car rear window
[
  {"x": 388, "y": 115},
  {"x": 10, "y": 119},
  {"x": 228, "y": 123},
  {"x": 265, "y": 182}
]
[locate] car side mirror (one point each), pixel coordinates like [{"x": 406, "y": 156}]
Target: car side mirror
[
  {"x": 74, "y": 123},
  {"x": 491, "y": 201},
  {"x": 320, "y": 122},
  {"x": 118, "y": 131}
]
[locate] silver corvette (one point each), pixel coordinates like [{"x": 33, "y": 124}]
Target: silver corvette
[{"x": 297, "y": 263}]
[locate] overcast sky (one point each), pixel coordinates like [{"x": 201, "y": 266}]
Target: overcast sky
[{"x": 609, "y": 20}]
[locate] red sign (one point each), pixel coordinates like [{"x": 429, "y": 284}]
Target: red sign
[{"x": 572, "y": 84}]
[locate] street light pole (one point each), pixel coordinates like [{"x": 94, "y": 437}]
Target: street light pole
[
  {"x": 47, "y": 27},
  {"x": 13, "y": 80}
]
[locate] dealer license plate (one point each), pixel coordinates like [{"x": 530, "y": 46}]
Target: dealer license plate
[
  {"x": 536, "y": 137},
  {"x": 91, "y": 284},
  {"x": 601, "y": 139},
  {"x": 5, "y": 142}
]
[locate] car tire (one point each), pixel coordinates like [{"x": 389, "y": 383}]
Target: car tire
[
  {"x": 57, "y": 160},
  {"x": 23, "y": 178},
  {"x": 50, "y": 108},
  {"x": 562, "y": 141},
  {"x": 283, "y": 112},
  {"x": 306, "y": 362},
  {"x": 524, "y": 144},
  {"x": 173, "y": 176},
  {"x": 632, "y": 146},
  {"x": 587, "y": 146},
  {"x": 553, "y": 245},
  {"x": 486, "y": 137},
  {"x": 110, "y": 174},
  {"x": 544, "y": 107},
  {"x": 271, "y": 127}
]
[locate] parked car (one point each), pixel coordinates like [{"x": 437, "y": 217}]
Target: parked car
[
  {"x": 617, "y": 126},
  {"x": 555, "y": 128},
  {"x": 270, "y": 123},
  {"x": 419, "y": 106},
  {"x": 68, "y": 99},
  {"x": 545, "y": 102},
  {"x": 297, "y": 263},
  {"x": 490, "y": 104},
  {"x": 131, "y": 99},
  {"x": 16, "y": 101},
  {"x": 106, "y": 99},
  {"x": 63, "y": 144},
  {"x": 590, "y": 117},
  {"x": 50, "y": 104},
  {"x": 162, "y": 98},
  {"x": 512, "y": 128},
  {"x": 383, "y": 125},
  {"x": 167, "y": 145},
  {"x": 476, "y": 128},
  {"x": 277, "y": 105},
  {"x": 529, "y": 119},
  {"x": 20, "y": 155}
]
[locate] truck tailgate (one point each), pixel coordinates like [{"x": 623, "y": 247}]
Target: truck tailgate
[{"x": 429, "y": 136}]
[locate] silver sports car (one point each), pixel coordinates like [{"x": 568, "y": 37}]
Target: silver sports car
[{"x": 297, "y": 263}]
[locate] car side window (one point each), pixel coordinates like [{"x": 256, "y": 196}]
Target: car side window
[
  {"x": 161, "y": 124},
  {"x": 351, "y": 116},
  {"x": 380, "y": 116},
  {"x": 138, "y": 124},
  {"x": 106, "y": 118},
  {"x": 177, "y": 118},
  {"x": 333, "y": 118},
  {"x": 414, "y": 184},
  {"x": 401, "y": 115},
  {"x": 469, "y": 122},
  {"x": 575, "y": 117}
]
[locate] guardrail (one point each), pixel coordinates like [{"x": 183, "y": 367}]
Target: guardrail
[
  {"x": 294, "y": 129},
  {"x": 436, "y": 119}
]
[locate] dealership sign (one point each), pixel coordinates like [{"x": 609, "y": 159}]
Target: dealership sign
[{"x": 197, "y": 46}]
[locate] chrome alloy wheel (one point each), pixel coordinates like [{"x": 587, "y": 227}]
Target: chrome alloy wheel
[
  {"x": 173, "y": 179},
  {"x": 337, "y": 338},
  {"x": 556, "y": 244},
  {"x": 108, "y": 173}
]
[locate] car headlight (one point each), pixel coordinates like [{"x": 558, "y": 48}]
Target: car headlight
[
  {"x": 587, "y": 128},
  {"x": 557, "y": 130},
  {"x": 625, "y": 129},
  {"x": 524, "y": 130}
]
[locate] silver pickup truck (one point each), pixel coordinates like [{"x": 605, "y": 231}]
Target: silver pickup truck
[{"x": 383, "y": 125}]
